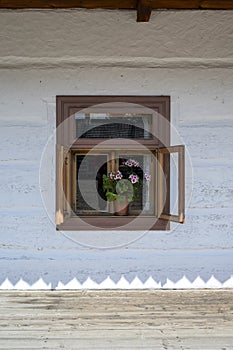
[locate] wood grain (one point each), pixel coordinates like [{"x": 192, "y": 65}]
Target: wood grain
[
  {"x": 117, "y": 320},
  {"x": 118, "y": 4},
  {"x": 143, "y": 11}
]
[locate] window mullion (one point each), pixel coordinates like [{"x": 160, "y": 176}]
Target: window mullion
[
  {"x": 67, "y": 182},
  {"x": 59, "y": 185},
  {"x": 113, "y": 165}
]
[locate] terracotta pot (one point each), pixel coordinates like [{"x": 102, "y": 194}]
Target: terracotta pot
[{"x": 121, "y": 208}]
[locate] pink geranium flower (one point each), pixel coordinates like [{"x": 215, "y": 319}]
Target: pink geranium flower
[
  {"x": 118, "y": 175},
  {"x": 129, "y": 162},
  {"x": 147, "y": 177},
  {"x": 133, "y": 178},
  {"x": 132, "y": 172},
  {"x": 132, "y": 162}
]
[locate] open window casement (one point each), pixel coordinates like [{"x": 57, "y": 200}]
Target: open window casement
[
  {"x": 171, "y": 179},
  {"x": 95, "y": 139},
  {"x": 63, "y": 183}
]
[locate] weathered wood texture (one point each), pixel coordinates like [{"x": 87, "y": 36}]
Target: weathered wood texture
[
  {"x": 143, "y": 11},
  {"x": 119, "y": 4},
  {"x": 117, "y": 320}
]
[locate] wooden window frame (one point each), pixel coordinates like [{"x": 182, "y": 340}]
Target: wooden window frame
[
  {"x": 163, "y": 213},
  {"x": 66, "y": 107}
]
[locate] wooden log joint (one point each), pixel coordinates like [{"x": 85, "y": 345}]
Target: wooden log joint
[{"x": 143, "y": 11}]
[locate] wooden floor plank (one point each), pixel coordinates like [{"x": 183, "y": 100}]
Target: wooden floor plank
[{"x": 88, "y": 320}]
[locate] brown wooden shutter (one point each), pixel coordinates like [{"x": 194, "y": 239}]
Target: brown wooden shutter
[{"x": 163, "y": 155}]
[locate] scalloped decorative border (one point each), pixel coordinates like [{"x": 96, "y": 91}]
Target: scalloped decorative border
[{"x": 108, "y": 283}]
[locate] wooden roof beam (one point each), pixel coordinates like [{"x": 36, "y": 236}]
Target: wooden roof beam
[
  {"x": 66, "y": 4},
  {"x": 139, "y": 5},
  {"x": 143, "y": 7},
  {"x": 191, "y": 4},
  {"x": 143, "y": 11}
]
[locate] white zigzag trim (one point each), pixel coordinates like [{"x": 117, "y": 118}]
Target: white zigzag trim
[{"x": 123, "y": 284}]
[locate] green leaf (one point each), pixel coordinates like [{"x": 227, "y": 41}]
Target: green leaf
[{"x": 111, "y": 196}]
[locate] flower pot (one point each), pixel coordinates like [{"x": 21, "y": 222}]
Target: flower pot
[{"x": 121, "y": 208}]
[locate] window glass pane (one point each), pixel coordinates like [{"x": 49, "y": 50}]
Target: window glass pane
[
  {"x": 144, "y": 198},
  {"x": 90, "y": 196},
  {"x": 89, "y": 191},
  {"x": 104, "y": 125},
  {"x": 174, "y": 183}
]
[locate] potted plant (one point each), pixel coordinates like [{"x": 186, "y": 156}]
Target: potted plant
[{"x": 122, "y": 186}]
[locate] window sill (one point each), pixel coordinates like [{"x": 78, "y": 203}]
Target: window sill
[{"x": 123, "y": 223}]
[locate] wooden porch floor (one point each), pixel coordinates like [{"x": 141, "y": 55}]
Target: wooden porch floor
[{"x": 102, "y": 320}]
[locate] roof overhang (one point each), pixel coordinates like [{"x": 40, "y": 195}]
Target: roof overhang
[{"x": 143, "y": 7}]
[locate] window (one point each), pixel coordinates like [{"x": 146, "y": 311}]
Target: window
[{"x": 97, "y": 136}]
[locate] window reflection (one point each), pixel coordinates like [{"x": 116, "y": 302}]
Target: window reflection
[{"x": 100, "y": 125}]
